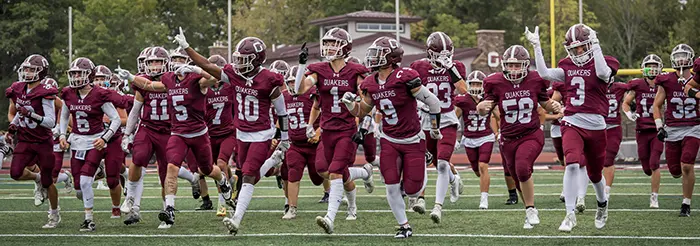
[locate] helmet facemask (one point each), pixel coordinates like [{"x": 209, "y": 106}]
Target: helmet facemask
[
  {"x": 332, "y": 49},
  {"x": 156, "y": 66},
  {"x": 78, "y": 78},
  {"x": 475, "y": 88},
  {"x": 578, "y": 57},
  {"x": 29, "y": 73},
  {"x": 681, "y": 59},
  {"x": 434, "y": 57},
  {"x": 515, "y": 70},
  {"x": 376, "y": 57},
  {"x": 242, "y": 63}
]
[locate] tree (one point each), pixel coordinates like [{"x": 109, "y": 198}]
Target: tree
[{"x": 281, "y": 21}]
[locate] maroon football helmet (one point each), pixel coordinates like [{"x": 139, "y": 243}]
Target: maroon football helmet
[
  {"x": 579, "y": 36},
  {"x": 384, "y": 51},
  {"x": 141, "y": 60},
  {"x": 102, "y": 76},
  {"x": 291, "y": 78},
  {"x": 336, "y": 44},
  {"x": 515, "y": 63},
  {"x": 50, "y": 82},
  {"x": 249, "y": 55},
  {"x": 115, "y": 83},
  {"x": 439, "y": 47},
  {"x": 157, "y": 61},
  {"x": 475, "y": 83},
  {"x": 81, "y": 72},
  {"x": 33, "y": 69},
  {"x": 280, "y": 67},
  {"x": 682, "y": 56},
  {"x": 652, "y": 66},
  {"x": 353, "y": 60},
  {"x": 178, "y": 58},
  {"x": 218, "y": 60}
]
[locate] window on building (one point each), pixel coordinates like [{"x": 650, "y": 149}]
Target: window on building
[{"x": 377, "y": 27}]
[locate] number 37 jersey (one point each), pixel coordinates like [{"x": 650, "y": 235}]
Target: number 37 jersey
[
  {"x": 331, "y": 87},
  {"x": 517, "y": 102}
]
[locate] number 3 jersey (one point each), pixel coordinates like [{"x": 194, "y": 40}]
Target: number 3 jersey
[
  {"x": 220, "y": 110},
  {"x": 680, "y": 109},
  {"x": 331, "y": 87},
  {"x": 30, "y": 131},
  {"x": 615, "y": 93},
  {"x": 644, "y": 99},
  {"x": 517, "y": 102},
  {"x": 253, "y": 103},
  {"x": 439, "y": 82},
  {"x": 155, "y": 114},
  {"x": 394, "y": 100},
  {"x": 187, "y": 104},
  {"x": 299, "y": 110}
]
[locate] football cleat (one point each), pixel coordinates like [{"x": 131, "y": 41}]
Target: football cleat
[
  {"x": 221, "y": 211},
  {"x": 116, "y": 213},
  {"x": 280, "y": 182},
  {"x": 325, "y": 223},
  {"x": 127, "y": 205},
  {"x": 601, "y": 215},
  {"x": 68, "y": 184},
  {"x": 232, "y": 203},
  {"x": 484, "y": 203},
  {"x": 167, "y": 216},
  {"x": 206, "y": 205},
  {"x": 654, "y": 201},
  {"x": 532, "y": 216},
  {"x": 101, "y": 185},
  {"x": 685, "y": 210},
  {"x": 164, "y": 225},
  {"x": 419, "y": 206},
  {"x": 352, "y": 213},
  {"x": 512, "y": 200},
  {"x": 38, "y": 195},
  {"x": 290, "y": 214},
  {"x": 196, "y": 191},
  {"x": 79, "y": 194},
  {"x": 454, "y": 189},
  {"x": 225, "y": 188},
  {"x": 324, "y": 199},
  {"x": 568, "y": 223},
  {"x": 232, "y": 225},
  {"x": 87, "y": 225},
  {"x": 132, "y": 218},
  {"x": 460, "y": 182},
  {"x": 369, "y": 182},
  {"x": 562, "y": 198},
  {"x": 580, "y": 204},
  {"x": 404, "y": 231},
  {"x": 54, "y": 220},
  {"x": 436, "y": 214}
]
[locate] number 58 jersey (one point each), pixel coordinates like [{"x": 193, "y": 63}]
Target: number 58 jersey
[
  {"x": 517, "y": 102},
  {"x": 331, "y": 87}
]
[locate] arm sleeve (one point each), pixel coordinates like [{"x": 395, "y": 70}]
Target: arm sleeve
[
  {"x": 551, "y": 74},
  {"x": 114, "y": 120},
  {"x": 601, "y": 66},
  {"x": 15, "y": 121},
  {"x": 65, "y": 115},
  {"x": 429, "y": 99},
  {"x": 49, "y": 119},
  {"x": 133, "y": 117}
]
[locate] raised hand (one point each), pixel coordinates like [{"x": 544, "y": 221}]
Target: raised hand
[
  {"x": 533, "y": 37},
  {"x": 181, "y": 40}
]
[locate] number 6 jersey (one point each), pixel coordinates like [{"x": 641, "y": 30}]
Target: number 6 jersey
[{"x": 517, "y": 102}]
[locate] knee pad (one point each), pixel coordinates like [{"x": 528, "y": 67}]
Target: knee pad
[
  {"x": 206, "y": 169},
  {"x": 86, "y": 182},
  {"x": 79, "y": 194},
  {"x": 647, "y": 171},
  {"x": 112, "y": 182},
  {"x": 15, "y": 175},
  {"x": 443, "y": 166}
]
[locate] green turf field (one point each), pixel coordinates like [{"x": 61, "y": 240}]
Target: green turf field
[{"x": 631, "y": 222}]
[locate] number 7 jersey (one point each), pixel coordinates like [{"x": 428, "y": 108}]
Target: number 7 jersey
[
  {"x": 331, "y": 87},
  {"x": 681, "y": 110},
  {"x": 517, "y": 102}
]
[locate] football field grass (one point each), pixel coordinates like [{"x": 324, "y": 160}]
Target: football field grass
[{"x": 631, "y": 222}]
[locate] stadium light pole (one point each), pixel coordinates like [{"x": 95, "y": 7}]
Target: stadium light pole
[
  {"x": 580, "y": 11},
  {"x": 398, "y": 37},
  {"x": 552, "y": 28},
  {"x": 229, "y": 31},
  {"x": 70, "y": 34}
]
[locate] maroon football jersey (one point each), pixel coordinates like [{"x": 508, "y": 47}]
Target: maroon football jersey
[
  {"x": 394, "y": 100},
  {"x": 615, "y": 94},
  {"x": 187, "y": 103},
  {"x": 584, "y": 90},
  {"x": 86, "y": 112},
  {"x": 517, "y": 103},
  {"x": 155, "y": 113},
  {"x": 475, "y": 125},
  {"x": 438, "y": 81},
  {"x": 331, "y": 86},
  {"x": 681, "y": 110},
  {"x": 29, "y": 130},
  {"x": 220, "y": 110},
  {"x": 253, "y": 101},
  {"x": 644, "y": 95},
  {"x": 299, "y": 110}
]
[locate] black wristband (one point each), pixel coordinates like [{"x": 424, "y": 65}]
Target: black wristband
[
  {"x": 454, "y": 74},
  {"x": 692, "y": 92},
  {"x": 436, "y": 118}
]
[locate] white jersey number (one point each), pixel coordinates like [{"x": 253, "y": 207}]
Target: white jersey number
[
  {"x": 181, "y": 110},
  {"x": 612, "y": 109},
  {"x": 81, "y": 120},
  {"x": 646, "y": 111},
  {"x": 390, "y": 116},
  {"x": 294, "y": 121},
  {"x": 580, "y": 85},
  {"x": 26, "y": 122},
  {"x": 219, "y": 107},
  {"x": 249, "y": 108},
  {"x": 523, "y": 112},
  {"x": 336, "y": 99},
  {"x": 684, "y": 108},
  {"x": 476, "y": 122},
  {"x": 163, "y": 110},
  {"x": 446, "y": 100}
]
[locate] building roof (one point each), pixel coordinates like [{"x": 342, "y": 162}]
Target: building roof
[
  {"x": 292, "y": 51},
  {"x": 365, "y": 15}
]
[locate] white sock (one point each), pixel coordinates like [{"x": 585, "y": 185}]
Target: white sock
[
  {"x": 221, "y": 199},
  {"x": 246, "y": 194},
  {"x": 443, "y": 180},
  {"x": 286, "y": 201},
  {"x": 88, "y": 193},
  {"x": 607, "y": 189},
  {"x": 88, "y": 215},
  {"x": 686, "y": 201},
  {"x": 396, "y": 203},
  {"x": 267, "y": 165},
  {"x": 357, "y": 173},
  {"x": 335, "y": 195},
  {"x": 131, "y": 187},
  {"x": 139, "y": 190},
  {"x": 654, "y": 194},
  {"x": 351, "y": 198},
  {"x": 38, "y": 178},
  {"x": 583, "y": 178},
  {"x": 600, "y": 190},
  {"x": 571, "y": 184},
  {"x": 185, "y": 174},
  {"x": 2, "y": 156},
  {"x": 62, "y": 177},
  {"x": 169, "y": 200},
  {"x": 484, "y": 195}
]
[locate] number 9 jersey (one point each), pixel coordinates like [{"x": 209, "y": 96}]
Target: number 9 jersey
[
  {"x": 331, "y": 87},
  {"x": 517, "y": 102}
]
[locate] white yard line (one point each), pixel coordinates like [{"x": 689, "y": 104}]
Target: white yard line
[{"x": 359, "y": 211}]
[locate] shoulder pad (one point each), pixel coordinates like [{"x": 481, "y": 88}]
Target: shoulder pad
[{"x": 414, "y": 83}]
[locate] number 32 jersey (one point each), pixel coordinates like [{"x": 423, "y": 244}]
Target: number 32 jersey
[
  {"x": 517, "y": 102},
  {"x": 331, "y": 87},
  {"x": 680, "y": 109}
]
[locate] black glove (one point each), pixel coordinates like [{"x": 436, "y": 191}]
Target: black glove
[
  {"x": 662, "y": 135},
  {"x": 359, "y": 136},
  {"x": 304, "y": 54}
]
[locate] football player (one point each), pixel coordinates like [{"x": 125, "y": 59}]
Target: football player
[
  {"x": 257, "y": 91},
  {"x": 394, "y": 90},
  {"x": 649, "y": 148},
  {"x": 478, "y": 134},
  {"x": 680, "y": 127},
  {"x": 516, "y": 92},
  {"x": 186, "y": 89},
  {"x": 442, "y": 75},
  {"x": 586, "y": 73},
  {"x": 30, "y": 131},
  {"x": 333, "y": 79},
  {"x": 86, "y": 105},
  {"x": 613, "y": 131}
]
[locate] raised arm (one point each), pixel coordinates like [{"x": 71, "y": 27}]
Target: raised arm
[
  {"x": 198, "y": 59},
  {"x": 141, "y": 82},
  {"x": 551, "y": 74}
]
